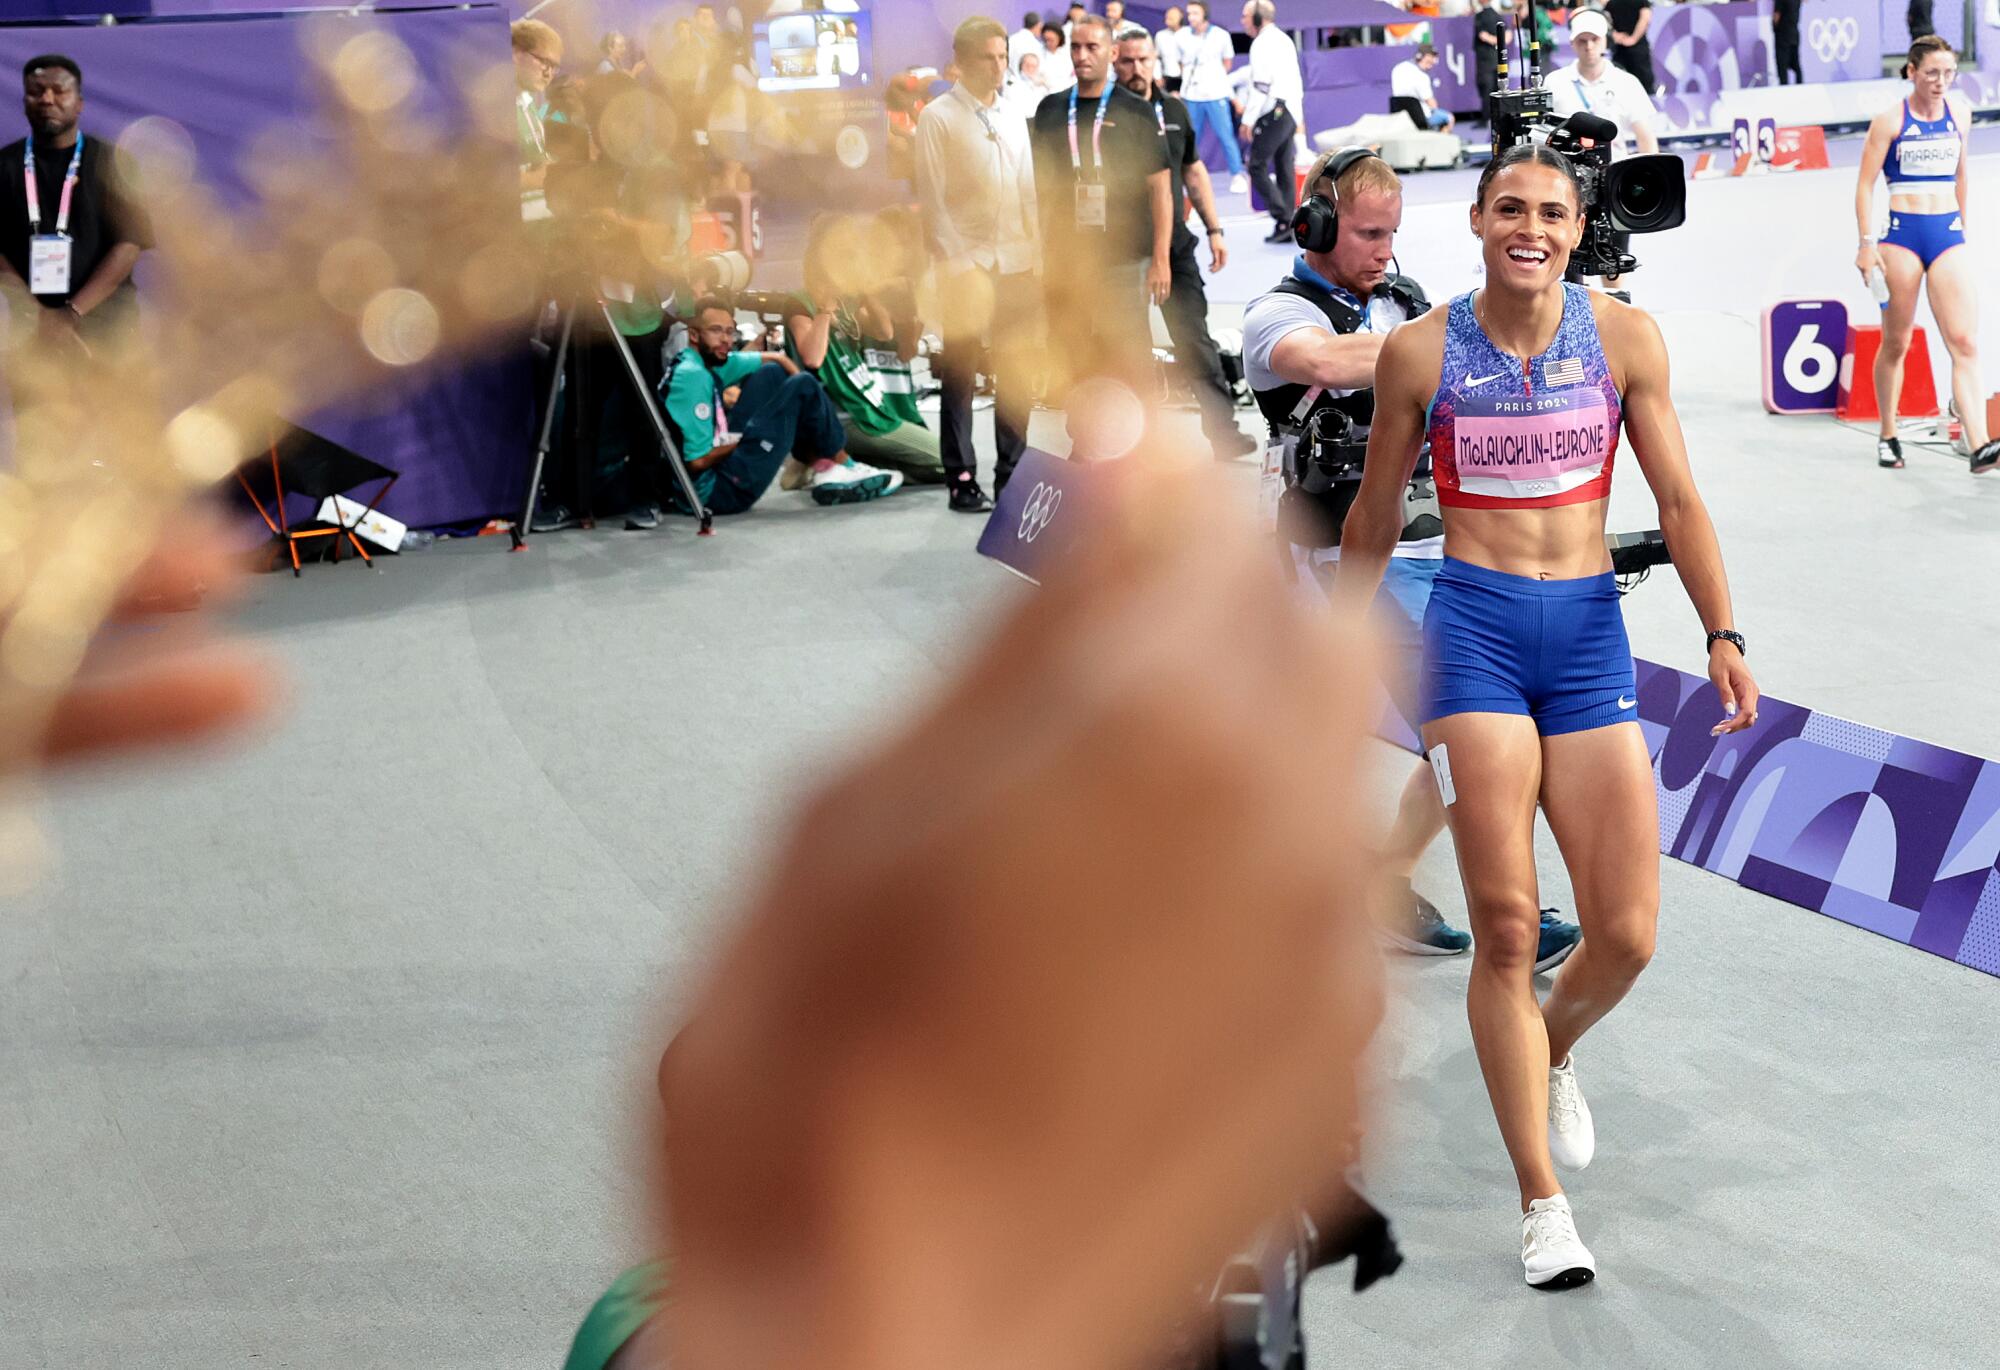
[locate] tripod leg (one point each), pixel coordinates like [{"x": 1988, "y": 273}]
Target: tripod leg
[
  {"x": 649, "y": 402},
  {"x": 543, "y": 443}
]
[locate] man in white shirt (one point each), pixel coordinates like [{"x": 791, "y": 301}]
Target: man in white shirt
[
  {"x": 1592, "y": 84},
  {"x": 1206, "y": 55},
  {"x": 1024, "y": 40},
  {"x": 1274, "y": 100},
  {"x": 1411, "y": 80},
  {"x": 1167, "y": 50},
  {"x": 976, "y": 182}
]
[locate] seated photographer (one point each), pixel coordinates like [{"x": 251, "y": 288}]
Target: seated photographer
[
  {"x": 738, "y": 415},
  {"x": 1309, "y": 350},
  {"x": 848, "y": 330}
]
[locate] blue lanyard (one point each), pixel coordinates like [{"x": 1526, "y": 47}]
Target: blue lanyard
[
  {"x": 1304, "y": 273},
  {"x": 1096, "y": 133},
  {"x": 1160, "y": 113},
  {"x": 34, "y": 189}
]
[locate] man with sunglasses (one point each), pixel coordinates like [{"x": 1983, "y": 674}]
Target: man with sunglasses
[{"x": 537, "y": 56}]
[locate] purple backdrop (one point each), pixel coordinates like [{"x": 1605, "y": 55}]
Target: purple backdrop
[{"x": 460, "y": 436}]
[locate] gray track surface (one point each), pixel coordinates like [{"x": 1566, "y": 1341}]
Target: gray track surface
[{"x": 319, "y": 1053}]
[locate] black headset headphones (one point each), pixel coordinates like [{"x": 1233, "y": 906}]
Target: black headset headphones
[{"x": 1316, "y": 224}]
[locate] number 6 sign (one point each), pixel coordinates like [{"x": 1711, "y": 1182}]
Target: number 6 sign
[{"x": 1804, "y": 341}]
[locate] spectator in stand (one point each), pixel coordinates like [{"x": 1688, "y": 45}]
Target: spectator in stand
[
  {"x": 1167, "y": 50},
  {"x": 858, "y": 340},
  {"x": 1024, "y": 40},
  {"x": 1025, "y": 88},
  {"x": 1410, "y": 79},
  {"x": 976, "y": 182},
  {"x": 738, "y": 416},
  {"x": 1058, "y": 69},
  {"x": 1274, "y": 100},
  {"x": 1631, "y": 50},
  {"x": 1206, "y": 56}
]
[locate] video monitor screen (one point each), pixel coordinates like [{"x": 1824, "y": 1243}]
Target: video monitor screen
[{"x": 813, "y": 50}]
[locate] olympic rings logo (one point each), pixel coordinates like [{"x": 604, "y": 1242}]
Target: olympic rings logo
[
  {"x": 1036, "y": 514},
  {"x": 1834, "y": 40}
]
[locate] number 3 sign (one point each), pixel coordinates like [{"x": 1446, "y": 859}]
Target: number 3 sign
[{"x": 1804, "y": 341}]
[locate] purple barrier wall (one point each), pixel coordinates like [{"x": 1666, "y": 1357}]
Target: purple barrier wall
[
  {"x": 1886, "y": 833},
  {"x": 461, "y": 437}
]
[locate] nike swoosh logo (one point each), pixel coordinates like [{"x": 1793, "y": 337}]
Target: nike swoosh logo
[
  {"x": 1472, "y": 380},
  {"x": 1625, "y": 703}
]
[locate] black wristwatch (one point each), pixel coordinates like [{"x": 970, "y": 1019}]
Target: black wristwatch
[{"x": 1730, "y": 636}]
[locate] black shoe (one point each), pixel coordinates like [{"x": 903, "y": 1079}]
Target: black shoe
[
  {"x": 1889, "y": 453},
  {"x": 1233, "y": 444},
  {"x": 1986, "y": 458},
  {"x": 552, "y": 518},
  {"x": 968, "y": 498},
  {"x": 642, "y": 518},
  {"x": 1281, "y": 234}
]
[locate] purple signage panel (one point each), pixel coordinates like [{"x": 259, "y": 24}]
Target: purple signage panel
[
  {"x": 1043, "y": 514},
  {"x": 1841, "y": 40},
  {"x": 1804, "y": 341},
  {"x": 1886, "y": 833}
]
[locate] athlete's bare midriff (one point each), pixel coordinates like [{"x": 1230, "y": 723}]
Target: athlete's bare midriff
[{"x": 1563, "y": 543}]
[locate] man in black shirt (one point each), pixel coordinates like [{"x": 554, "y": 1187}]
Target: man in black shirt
[
  {"x": 1630, "y": 47},
  {"x": 1785, "y": 29},
  {"x": 72, "y": 244},
  {"x": 1106, "y": 204},
  {"x": 1186, "y": 305},
  {"x": 1489, "y": 30}
]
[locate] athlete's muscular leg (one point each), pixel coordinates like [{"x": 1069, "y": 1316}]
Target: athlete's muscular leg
[
  {"x": 1597, "y": 791},
  {"x": 1904, "y": 274},
  {"x": 1495, "y": 762},
  {"x": 1954, "y": 297}
]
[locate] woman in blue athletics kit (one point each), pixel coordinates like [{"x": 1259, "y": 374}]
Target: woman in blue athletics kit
[{"x": 1523, "y": 389}]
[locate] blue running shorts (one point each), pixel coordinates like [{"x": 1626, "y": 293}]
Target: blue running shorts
[
  {"x": 1554, "y": 650},
  {"x": 1930, "y": 236}
]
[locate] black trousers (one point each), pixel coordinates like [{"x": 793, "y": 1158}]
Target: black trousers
[
  {"x": 1017, "y": 305},
  {"x": 1271, "y": 150},
  {"x": 1195, "y": 356},
  {"x": 1786, "y": 38},
  {"x": 1637, "y": 59},
  {"x": 1921, "y": 23},
  {"x": 1487, "y": 77}
]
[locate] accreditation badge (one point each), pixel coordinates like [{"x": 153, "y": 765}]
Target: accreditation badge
[
  {"x": 1090, "y": 206},
  {"x": 49, "y": 256}
]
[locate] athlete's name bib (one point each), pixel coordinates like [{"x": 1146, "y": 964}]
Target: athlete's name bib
[
  {"x": 1532, "y": 447},
  {"x": 1934, "y": 155}
]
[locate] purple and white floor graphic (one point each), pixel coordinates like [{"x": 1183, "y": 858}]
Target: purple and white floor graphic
[{"x": 1886, "y": 833}]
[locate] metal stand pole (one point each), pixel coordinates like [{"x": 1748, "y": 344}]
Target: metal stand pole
[
  {"x": 669, "y": 452},
  {"x": 546, "y": 440}
]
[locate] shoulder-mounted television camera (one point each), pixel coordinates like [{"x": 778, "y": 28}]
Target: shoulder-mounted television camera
[{"x": 1645, "y": 194}]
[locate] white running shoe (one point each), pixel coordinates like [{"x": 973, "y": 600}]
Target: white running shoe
[
  {"x": 1551, "y": 1252},
  {"x": 1239, "y": 183},
  {"x": 1572, "y": 1136},
  {"x": 852, "y": 483}
]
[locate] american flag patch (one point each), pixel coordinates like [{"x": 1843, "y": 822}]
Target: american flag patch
[{"x": 1566, "y": 372}]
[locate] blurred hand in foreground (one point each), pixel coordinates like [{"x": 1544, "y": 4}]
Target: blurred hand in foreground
[{"x": 1052, "y": 998}]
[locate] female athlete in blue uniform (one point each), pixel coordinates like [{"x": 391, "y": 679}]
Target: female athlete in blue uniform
[
  {"x": 1523, "y": 389},
  {"x": 1922, "y": 145}
]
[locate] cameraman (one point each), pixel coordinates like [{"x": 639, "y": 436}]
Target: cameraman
[
  {"x": 1592, "y": 85},
  {"x": 1309, "y": 350}
]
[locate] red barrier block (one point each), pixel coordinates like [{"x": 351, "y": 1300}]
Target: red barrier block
[
  {"x": 1801, "y": 149},
  {"x": 1857, "y": 376}
]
